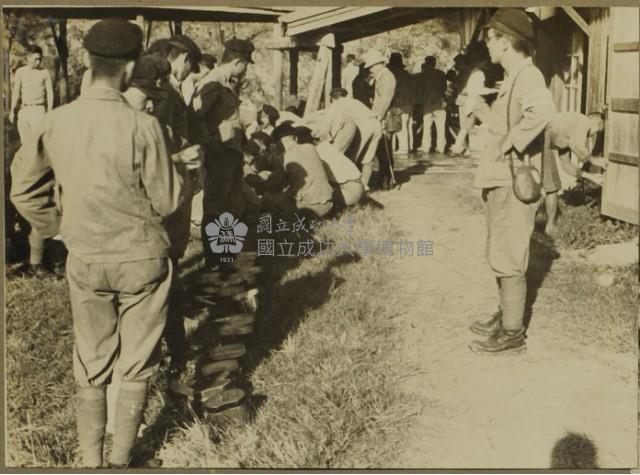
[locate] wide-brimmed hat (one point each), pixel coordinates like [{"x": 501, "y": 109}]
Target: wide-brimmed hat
[{"x": 372, "y": 58}]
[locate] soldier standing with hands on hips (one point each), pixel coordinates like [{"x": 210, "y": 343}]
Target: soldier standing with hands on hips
[{"x": 117, "y": 183}]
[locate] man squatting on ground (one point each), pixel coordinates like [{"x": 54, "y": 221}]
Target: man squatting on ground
[
  {"x": 301, "y": 171},
  {"x": 117, "y": 184},
  {"x": 516, "y": 121},
  {"x": 32, "y": 97}
]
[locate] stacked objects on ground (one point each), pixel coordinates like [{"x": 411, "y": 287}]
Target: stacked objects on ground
[{"x": 230, "y": 295}]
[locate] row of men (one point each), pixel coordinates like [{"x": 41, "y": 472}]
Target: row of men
[{"x": 113, "y": 173}]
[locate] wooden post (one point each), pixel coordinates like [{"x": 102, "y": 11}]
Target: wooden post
[
  {"x": 322, "y": 74},
  {"x": 294, "y": 57},
  {"x": 278, "y": 64},
  {"x": 147, "y": 33},
  {"x": 336, "y": 64}
]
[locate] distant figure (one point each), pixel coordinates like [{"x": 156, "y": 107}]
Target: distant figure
[
  {"x": 33, "y": 93},
  {"x": 349, "y": 73},
  {"x": 433, "y": 84},
  {"x": 403, "y": 100},
  {"x": 33, "y": 88},
  {"x": 385, "y": 88}
]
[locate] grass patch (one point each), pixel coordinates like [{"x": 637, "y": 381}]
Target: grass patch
[
  {"x": 39, "y": 380},
  {"x": 581, "y": 226},
  {"x": 321, "y": 363},
  {"x": 325, "y": 368}
]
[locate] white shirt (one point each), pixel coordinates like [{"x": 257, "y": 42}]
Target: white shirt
[{"x": 337, "y": 165}]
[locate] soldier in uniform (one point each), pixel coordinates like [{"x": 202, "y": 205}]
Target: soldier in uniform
[
  {"x": 215, "y": 106},
  {"x": 116, "y": 184},
  {"x": 143, "y": 93},
  {"x": 384, "y": 91},
  {"x": 516, "y": 121}
]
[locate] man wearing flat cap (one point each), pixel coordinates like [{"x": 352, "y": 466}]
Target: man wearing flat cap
[
  {"x": 516, "y": 121},
  {"x": 216, "y": 113},
  {"x": 116, "y": 184}
]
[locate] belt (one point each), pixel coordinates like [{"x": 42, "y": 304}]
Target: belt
[{"x": 33, "y": 105}]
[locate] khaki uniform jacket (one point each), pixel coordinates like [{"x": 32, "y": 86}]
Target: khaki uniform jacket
[
  {"x": 530, "y": 111},
  {"x": 115, "y": 180},
  {"x": 385, "y": 89}
]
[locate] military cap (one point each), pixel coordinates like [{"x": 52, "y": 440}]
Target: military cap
[
  {"x": 114, "y": 38},
  {"x": 283, "y": 130},
  {"x": 160, "y": 47},
  {"x": 185, "y": 43},
  {"x": 146, "y": 74},
  {"x": 513, "y": 22},
  {"x": 271, "y": 112},
  {"x": 242, "y": 47}
]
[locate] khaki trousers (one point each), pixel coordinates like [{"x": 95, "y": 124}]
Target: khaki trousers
[{"x": 119, "y": 313}]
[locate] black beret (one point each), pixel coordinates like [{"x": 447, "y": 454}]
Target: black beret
[
  {"x": 114, "y": 38},
  {"x": 160, "y": 47},
  {"x": 242, "y": 47},
  {"x": 186, "y": 44},
  {"x": 283, "y": 130},
  {"x": 513, "y": 22},
  {"x": 146, "y": 74}
]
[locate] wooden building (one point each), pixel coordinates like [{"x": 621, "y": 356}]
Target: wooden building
[{"x": 588, "y": 55}]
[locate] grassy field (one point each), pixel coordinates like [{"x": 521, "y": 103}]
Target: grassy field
[
  {"x": 324, "y": 366},
  {"x": 321, "y": 364}
]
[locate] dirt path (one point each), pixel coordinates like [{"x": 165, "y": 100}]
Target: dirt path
[{"x": 500, "y": 411}]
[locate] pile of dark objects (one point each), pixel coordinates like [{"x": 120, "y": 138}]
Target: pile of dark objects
[{"x": 212, "y": 380}]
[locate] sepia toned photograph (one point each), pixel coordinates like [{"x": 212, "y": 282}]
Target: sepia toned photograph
[{"x": 313, "y": 237}]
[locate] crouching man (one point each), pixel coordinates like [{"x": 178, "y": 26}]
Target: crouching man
[
  {"x": 116, "y": 184},
  {"x": 306, "y": 186}
]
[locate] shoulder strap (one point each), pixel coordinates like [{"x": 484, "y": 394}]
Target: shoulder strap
[{"x": 513, "y": 85}]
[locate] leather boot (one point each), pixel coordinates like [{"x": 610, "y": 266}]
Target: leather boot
[
  {"x": 504, "y": 342},
  {"x": 488, "y": 327}
]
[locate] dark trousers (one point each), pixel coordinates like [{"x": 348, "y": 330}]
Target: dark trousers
[{"x": 385, "y": 161}]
